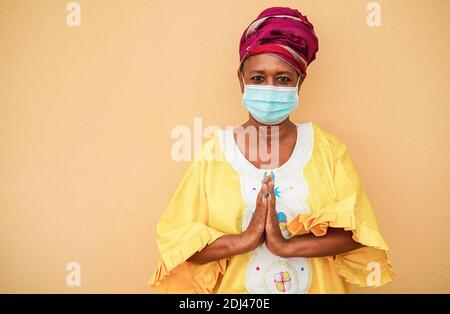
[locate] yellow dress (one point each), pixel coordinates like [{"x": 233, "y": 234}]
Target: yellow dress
[{"x": 317, "y": 188}]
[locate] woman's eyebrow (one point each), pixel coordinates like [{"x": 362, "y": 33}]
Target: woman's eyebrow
[
  {"x": 283, "y": 72},
  {"x": 277, "y": 73},
  {"x": 258, "y": 71}
]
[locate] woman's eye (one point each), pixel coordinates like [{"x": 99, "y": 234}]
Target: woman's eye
[
  {"x": 257, "y": 78},
  {"x": 283, "y": 79}
]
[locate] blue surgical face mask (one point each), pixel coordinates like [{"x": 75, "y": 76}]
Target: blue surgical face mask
[{"x": 270, "y": 104}]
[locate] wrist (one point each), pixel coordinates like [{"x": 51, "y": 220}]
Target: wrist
[
  {"x": 279, "y": 247},
  {"x": 244, "y": 243},
  {"x": 284, "y": 248}
]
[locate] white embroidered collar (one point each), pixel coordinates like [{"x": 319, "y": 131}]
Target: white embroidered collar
[{"x": 298, "y": 159}]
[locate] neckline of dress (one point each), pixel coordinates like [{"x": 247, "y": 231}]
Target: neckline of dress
[{"x": 241, "y": 163}]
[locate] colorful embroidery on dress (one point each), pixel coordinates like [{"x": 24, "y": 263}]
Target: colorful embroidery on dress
[{"x": 282, "y": 281}]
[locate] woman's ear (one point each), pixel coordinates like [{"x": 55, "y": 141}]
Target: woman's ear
[{"x": 240, "y": 78}]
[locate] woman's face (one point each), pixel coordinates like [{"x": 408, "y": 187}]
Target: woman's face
[{"x": 266, "y": 69}]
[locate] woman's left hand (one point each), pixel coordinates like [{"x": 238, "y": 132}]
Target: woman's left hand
[
  {"x": 336, "y": 241},
  {"x": 275, "y": 241}
]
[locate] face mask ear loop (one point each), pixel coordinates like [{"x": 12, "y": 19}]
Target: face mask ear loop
[
  {"x": 298, "y": 81},
  {"x": 296, "y": 86},
  {"x": 242, "y": 78}
]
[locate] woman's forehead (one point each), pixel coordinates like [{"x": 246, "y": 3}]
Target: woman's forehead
[{"x": 266, "y": 63}]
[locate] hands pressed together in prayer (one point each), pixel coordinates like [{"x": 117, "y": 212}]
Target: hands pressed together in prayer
[{"x": 264, "y": 227}]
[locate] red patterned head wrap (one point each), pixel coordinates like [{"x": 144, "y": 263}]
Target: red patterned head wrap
[{"x": 284, "y": 33}]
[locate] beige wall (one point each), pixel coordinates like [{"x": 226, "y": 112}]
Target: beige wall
[{"x": 86, "y": 115}]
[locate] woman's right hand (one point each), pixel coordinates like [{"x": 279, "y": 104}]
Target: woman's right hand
[
  {"x": 254, "y": 235},
  {"x": 233, "y": 244}
]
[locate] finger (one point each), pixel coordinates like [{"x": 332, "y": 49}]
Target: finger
[
  {"x": 271, "y": 186},
  {"x": 261, "y": 203},
  {"x": 265, "y": 179},
  {"x": 272, "y": 219},
  {"x": 265, "y": 191},
  {"x": 272, "y": 199},
  {"x": 259, "y": 196}
]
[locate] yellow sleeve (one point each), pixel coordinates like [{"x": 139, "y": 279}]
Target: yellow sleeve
[
  {"x": 182, "y": 231},
  {"x": 353, "y": 211},
  {"x": 367, "y": 266}
]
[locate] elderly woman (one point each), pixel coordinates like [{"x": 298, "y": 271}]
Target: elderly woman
[{"x": 301, "y": 223}]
